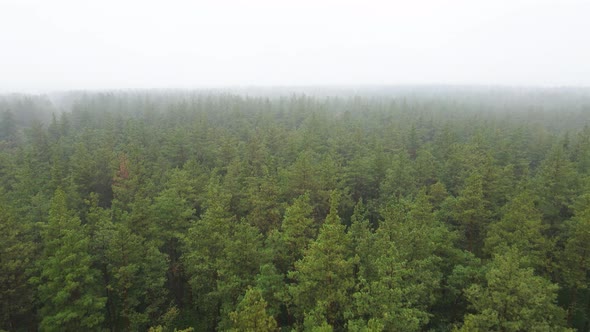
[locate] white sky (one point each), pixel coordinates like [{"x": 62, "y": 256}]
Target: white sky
[{"x": 114, "y": 44}]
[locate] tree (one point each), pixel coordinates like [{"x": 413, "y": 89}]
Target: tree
[
  {"x": 399, "y": 179},
  {"x": 8, "y": 129},
  {"x": 203, "y": 249},
  {"x": 470, "y": 213},
  {"x": 68, "y": 286},
  {"x": 173, "y": 213},
  {"x": 513, "y": 298},
  {"x": 426, "y": 167},
  {"x": 312, "y": 175},
  {"x": 581, "y": 151},
  {"x": 362, "y": 243},
  {"x": 556, "y": 184},
  {"x": 406, "y": 260},
  {"x": 323, "y": 277},
  {"x": 92, "y": 170},
  {"x": 251, "y": 316},
  {"x": 265, "y": 212},
  {"x": 133, "y": 273},
  {"x": 575, "y": 263},
  {"x": 222, "y": 257},
  {"x": 295, "y": 234},
  {"x": 237, "y": 268},
  {"x": 360, "y": 177},
  {"x": 521, "y": 227},
  {"x": 17, "y": 254}
]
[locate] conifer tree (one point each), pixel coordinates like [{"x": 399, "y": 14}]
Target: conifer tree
[
  {"x": 251, "y": 315},
  {"x": 406, "y": 259},
  {"x": 513, "y": 299},
  {"x": 17, "y": 254},
  {"x": 134, "y": 272},
  {"x": 203, "y": 249},
  {"x": 471, "y": 214},
  {"x": 295, "y": 234},
  {"x": 575, "y": 263},
  {"x": 8, "y": 128},
  {"x": 324, "y": 276},
  {"x": 68, "y": 286},
  {"x": 557, "y": 183},
  {"x": 521, "y": 227}
]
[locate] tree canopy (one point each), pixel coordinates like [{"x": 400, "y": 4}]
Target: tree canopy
[{"x": 385, "y": 211}]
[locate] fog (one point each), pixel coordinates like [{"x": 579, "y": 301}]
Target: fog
[{"x": 74, "y": 45}]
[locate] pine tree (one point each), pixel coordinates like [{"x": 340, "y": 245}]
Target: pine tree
[
  {"x": 68, "y": 286},
  {"x": 324, "y": 276},
  {"x": 17, "y": 254},
  {"x": 360, "y": 178},
  {"x": 222, "y": 257},
  {"x": 8, "y": 128},
  {"x": 521, "y": 227},
  {"x": 426, "y": 167},
  {"x": 575, "y": 263},
  {"x": 173, "y": 213},
  {"x": 238, "y": 267},
  {"x": 399, "y": 180},
  {"x": 295, "y": 234},
  {"x": 556, "y": 184},
  {"x": 251, "y": 315},
  {"x": 362, "y": 239},
  {"x": 406, "y": 260},
  {"x": 471, "y": 214},
  {"x": 513, "y": 298},
  {"x": 203, "y": 250},
  {"x": 133, "y": 272}
]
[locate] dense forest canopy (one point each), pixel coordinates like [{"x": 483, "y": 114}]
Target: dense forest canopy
[{"x": 379, "y": 209}]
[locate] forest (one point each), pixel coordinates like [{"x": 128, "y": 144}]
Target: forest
[{"x": 415, "y": 209}]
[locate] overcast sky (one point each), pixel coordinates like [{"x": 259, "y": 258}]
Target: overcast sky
[{"x": 117, "y": 44}]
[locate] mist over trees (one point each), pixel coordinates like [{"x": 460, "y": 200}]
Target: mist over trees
[{"x": 334, "y": 209}]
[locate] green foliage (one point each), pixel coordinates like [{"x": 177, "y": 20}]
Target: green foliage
[
  {"x": 134, "y": 272},
  {"x": 223, "y": 256},
  {"x": 521, "y": 227},
  {"x": 405, "y": 257},
  {"x": 68, "y": 286},
  {"x": 8, "y": 127},
  {"x": 471, "y": 213},
  {"x": 557, "y": 185},
  {"x": 250, "y": 314},
  {"x": 399, "y": 179},
  {"x": 513, "y": 298},
  {"x": 294, "y": 236},
  {"x": 204, "y": 249},
  {"x": 17, "y": 254},
  {"x": 575, "y": 265},
  {"x": 411, "y": 211},
  {"x": 323, "y": 277}
]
